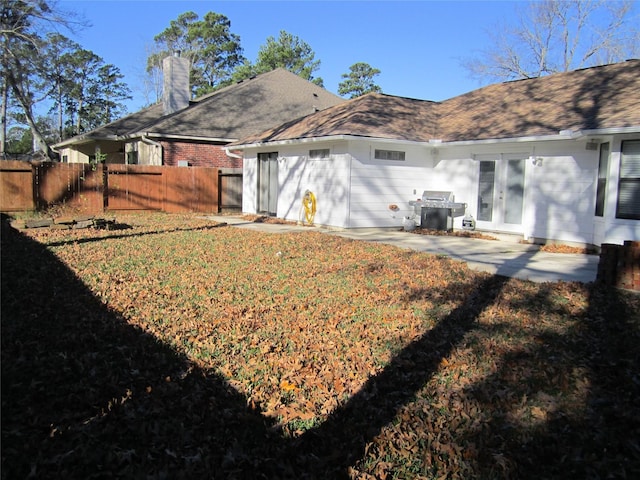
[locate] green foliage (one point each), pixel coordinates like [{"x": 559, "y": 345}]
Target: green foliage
[
  {"x": 213, "y": 50},
  {"x": 288, "y": 52},
  {"x": 94, "y": 96},
  {"x": 40, "y": 64},
  {"x": 19, "y": 140},
  {"x": 359, "y": 81}
]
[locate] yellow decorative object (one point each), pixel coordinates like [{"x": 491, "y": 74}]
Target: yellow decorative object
[{"x": 309, "y": 204}]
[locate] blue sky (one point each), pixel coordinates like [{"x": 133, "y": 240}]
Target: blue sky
[{"x": 417, "y": 45}]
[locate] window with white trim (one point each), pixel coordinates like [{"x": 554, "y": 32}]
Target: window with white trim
[
  {"x": 389, "y": 155},
  {"x": 629, "y": 181},
  {"x": 319, "y": 153}
]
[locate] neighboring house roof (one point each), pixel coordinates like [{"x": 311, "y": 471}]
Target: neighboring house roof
[
  {"x": 230, "y": 113},
  {"x": 587, "y": 99}
]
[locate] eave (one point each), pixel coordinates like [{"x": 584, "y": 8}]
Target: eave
[{"x": 438, "y": 143}]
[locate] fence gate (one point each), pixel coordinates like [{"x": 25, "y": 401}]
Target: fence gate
[{"x": 230, "y": 191}]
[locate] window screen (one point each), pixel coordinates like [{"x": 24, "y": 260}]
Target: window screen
[
  {"x": 319, "y": 153},
  {"x": 629, "y": 181},
  {"x": 389, "y": 155}
]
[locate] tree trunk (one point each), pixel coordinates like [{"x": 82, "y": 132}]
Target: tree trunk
[
  {"x": 37, "y": 136},
  {"x": 59, "y": 113},
  {"x": 3, "y": 118}
]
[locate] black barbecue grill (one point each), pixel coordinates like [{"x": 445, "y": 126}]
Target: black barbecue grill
[{"x": 437, "y": 209}]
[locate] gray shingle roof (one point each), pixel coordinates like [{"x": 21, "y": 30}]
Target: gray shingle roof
[
  {"x": 232, "y": 112},
  {"x": 586, "y": 99}
]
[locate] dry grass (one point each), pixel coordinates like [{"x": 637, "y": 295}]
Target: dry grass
[{"x": 175, "y": 348}]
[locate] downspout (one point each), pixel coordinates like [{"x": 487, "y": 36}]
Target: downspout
[
  {"x": 232, "y": 155},
  {"x": 148, "y": 141}
]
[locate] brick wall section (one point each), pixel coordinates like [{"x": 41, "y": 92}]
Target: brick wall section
[
  {"x": 620, "y": 265},
  {"x": 198, "y": 155}
]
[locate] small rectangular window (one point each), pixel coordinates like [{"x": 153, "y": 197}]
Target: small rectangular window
[
  {"x": 629, "y": 181},
  {"x": 319, "y": 153},
  {"x": 603, "y": 168},
  {"x": 389, "y": 155},
  {"x": 132, "y": 158}
]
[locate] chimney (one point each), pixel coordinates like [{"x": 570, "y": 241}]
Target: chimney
[{"x": 175, "y": 91}]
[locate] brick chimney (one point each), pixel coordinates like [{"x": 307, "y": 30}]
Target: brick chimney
[{"x": 175, "y": 91}]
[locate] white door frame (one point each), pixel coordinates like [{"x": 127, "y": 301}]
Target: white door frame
[{"x": 501, "y": 193}]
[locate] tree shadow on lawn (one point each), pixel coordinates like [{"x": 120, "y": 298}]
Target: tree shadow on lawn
[
  {"x": 572, "y": 410},
  {"x": 85, "y": 395}
]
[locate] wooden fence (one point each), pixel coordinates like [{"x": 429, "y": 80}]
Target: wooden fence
[
  {"x": 620, "y": 265},
  {"x": 28, "y": 186}
]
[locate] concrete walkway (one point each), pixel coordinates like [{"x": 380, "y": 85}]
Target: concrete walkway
[{"x": 502, "y": 257}]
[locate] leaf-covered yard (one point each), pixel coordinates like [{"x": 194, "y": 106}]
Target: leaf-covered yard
[{"x": 178, "y": 348}]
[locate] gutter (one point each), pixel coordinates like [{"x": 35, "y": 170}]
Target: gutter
[
  {"x": 438, "y": 143},
  {"x": 232, "y": 155},
  {"x": 328, "y": 138},
  {"x": 148, "y": 141}
]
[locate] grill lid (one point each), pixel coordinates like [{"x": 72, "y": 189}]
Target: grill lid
[
  {"x": 439, "y": 199},
  {"x": 437, "y": 196}
]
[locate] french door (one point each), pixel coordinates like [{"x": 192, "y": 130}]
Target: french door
[
  {"x": 501, "y": 194},
  {"x": 268, "y": 183}
]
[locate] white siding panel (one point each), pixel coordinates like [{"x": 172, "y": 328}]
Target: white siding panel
[
  {"x": 561, "y": 193},
  {"x": 250, "y": 183},
  {"x": 327, "y": 178},
  {"x": 376, "y": 184}
]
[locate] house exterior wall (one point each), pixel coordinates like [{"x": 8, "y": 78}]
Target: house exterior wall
[
  {"x": 327, "y": 178},
  {"x": 355, "y": 190},
  {"x": 608, "y": 228},
  {"x": 149, "y": 153},
  {"x": 377, "y": 184},
  {"x": 69, "y": 155},
  {"x": 197, "y": 155}
]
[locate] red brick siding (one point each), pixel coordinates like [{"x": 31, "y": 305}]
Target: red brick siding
[{"x": 198, "y": 155}]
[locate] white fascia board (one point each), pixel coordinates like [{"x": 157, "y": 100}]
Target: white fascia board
[
  {"x": 437, "y": 143},
  {"x": 492, "y": 141},
  {"x": 610, "y": 131},
  {"x": 82, "y": 140},
  {"x": 562, "y": 135},
  {"x": 329, "y": 138}
]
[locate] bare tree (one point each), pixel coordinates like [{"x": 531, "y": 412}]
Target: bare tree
[{"x": 557, "y": 36}]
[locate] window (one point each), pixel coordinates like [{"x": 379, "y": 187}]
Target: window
[
  {"x": 320, "y": 153},
  {"x": 629, "y": 181},
  {"x": 601, "y": 188},
  {"x": 389, "y": 155},
  {"x": 132, "y": 158}
]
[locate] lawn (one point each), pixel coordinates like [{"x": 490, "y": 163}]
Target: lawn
[{"x": 173, "y": 347}]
